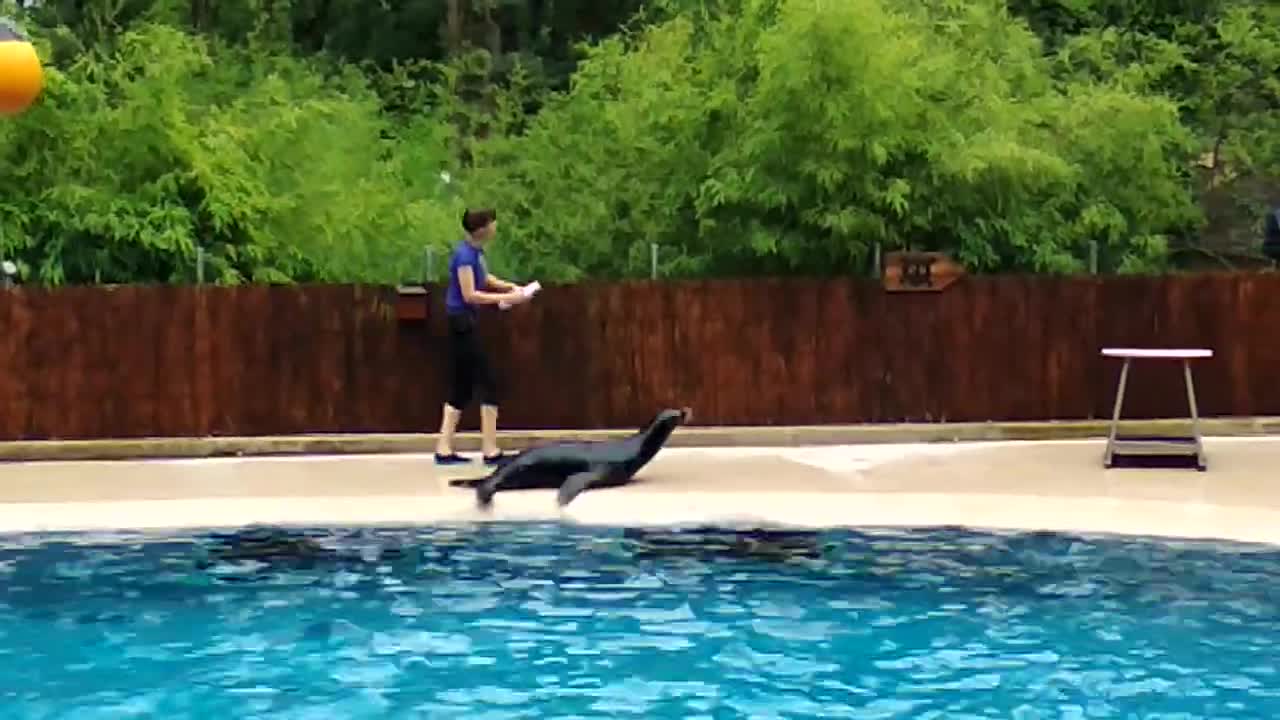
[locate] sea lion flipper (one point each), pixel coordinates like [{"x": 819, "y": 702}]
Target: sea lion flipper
[
  {"x": 577, "y": 482},
  {"x": 487, "y": 487}
]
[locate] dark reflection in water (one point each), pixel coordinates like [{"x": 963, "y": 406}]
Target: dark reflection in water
[{"x": 534, "y": 621}]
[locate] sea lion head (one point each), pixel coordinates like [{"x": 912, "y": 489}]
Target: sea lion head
[{"x": 673, "y": 416}]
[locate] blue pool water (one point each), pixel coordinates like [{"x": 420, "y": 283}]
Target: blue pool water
[{"x": 548, "y": 621}]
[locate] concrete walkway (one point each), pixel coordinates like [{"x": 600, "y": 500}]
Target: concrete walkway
[
  {"x": 691, "y": 436},
  {"x": 1058, "y": 485}
]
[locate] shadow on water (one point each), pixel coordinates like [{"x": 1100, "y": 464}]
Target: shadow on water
[
  {"x": 712, "y": 543},
  {"x": 95, "y": 580}
]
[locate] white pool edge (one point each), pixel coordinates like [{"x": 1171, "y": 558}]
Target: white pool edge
[
  {"x": 1084, "y": 515},
  {"x": 642, "y": 506}
]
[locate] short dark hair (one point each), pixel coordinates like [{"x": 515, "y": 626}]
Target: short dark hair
[{"x": 473, "y": 220}]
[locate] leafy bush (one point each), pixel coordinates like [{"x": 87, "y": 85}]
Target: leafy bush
[
  {"x": 741, "y": 136},
  {"x": 281, "y": 169},
  {"x": 792, "y": 136}
]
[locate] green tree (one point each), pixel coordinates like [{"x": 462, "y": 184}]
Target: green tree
[
  {"x": 306, "y": 139},
  {"x": 1219, "y": 61},
  {"x": 792, "y": 136},
  {"x": 139, "y": 154}
]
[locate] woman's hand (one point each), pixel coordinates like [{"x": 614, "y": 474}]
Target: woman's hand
[
  {"x": 515, "y": 297},
  {"x": 526, "y": 294}
]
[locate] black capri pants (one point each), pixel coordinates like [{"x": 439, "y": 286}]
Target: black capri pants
[{"x": 470, "y": 368}]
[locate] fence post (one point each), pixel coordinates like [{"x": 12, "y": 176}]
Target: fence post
[
  {"x": 428, "y": 264},
  {"x": 6, "y": 278},
  {"x": 199, "y": 264},
  {"x": 875, "y": 260},
  {"x": 653, "y": 261},
  {"x": 1093, "y": 257}
]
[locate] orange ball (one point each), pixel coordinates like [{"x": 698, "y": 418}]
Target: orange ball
[{"x": 21, "y": 76}]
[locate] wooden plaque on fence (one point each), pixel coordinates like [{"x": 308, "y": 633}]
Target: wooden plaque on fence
[
  {"x": 906, "y": 271},
  {"x": 411, "y": 303}
]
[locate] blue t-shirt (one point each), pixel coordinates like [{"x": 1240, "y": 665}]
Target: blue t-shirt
[{"x": 464, "y": 255}]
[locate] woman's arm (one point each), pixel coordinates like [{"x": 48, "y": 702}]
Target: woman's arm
[
  {"x": 498, "y": 284},
  {"x": 467, "y": 283}
]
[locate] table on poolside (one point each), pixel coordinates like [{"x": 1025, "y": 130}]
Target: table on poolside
[{"x": 1192, "y": 447}]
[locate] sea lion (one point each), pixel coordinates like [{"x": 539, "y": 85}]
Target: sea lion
[{"x": 574, "y": 467}]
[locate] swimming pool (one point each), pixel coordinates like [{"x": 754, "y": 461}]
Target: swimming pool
[{"x": 545, "y": 620}]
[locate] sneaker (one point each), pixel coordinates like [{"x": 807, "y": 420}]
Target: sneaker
[
  {"x": 500, "y": 459},
  {"x": 451, "y": 459}
]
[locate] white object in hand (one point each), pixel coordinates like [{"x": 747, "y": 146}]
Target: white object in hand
[{"x": 528, "y": 291}]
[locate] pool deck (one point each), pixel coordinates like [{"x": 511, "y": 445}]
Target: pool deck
[
  {"x": 1011, "y": 485},
  {"x": 689, "y": 436}
]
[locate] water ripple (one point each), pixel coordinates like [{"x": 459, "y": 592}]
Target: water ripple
[{"x": 550, "y": 621}]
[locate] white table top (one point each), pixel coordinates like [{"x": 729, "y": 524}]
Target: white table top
[{"x": 1159, "y": 353}]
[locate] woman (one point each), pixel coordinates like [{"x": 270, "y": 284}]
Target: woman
[{"x": 471, "y": 285}]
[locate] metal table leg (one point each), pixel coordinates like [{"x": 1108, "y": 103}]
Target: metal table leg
[
  {"x": 1115, "y": 412},
  {"x": 1195, "y": 414}
]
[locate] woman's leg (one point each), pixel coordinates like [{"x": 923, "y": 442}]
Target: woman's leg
[
  {"x": 448, "y": 428},
  {"x": 488, "y": 384},
  {"x": 489, "y": 430},
  {"x": 461, "y": 380}
]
